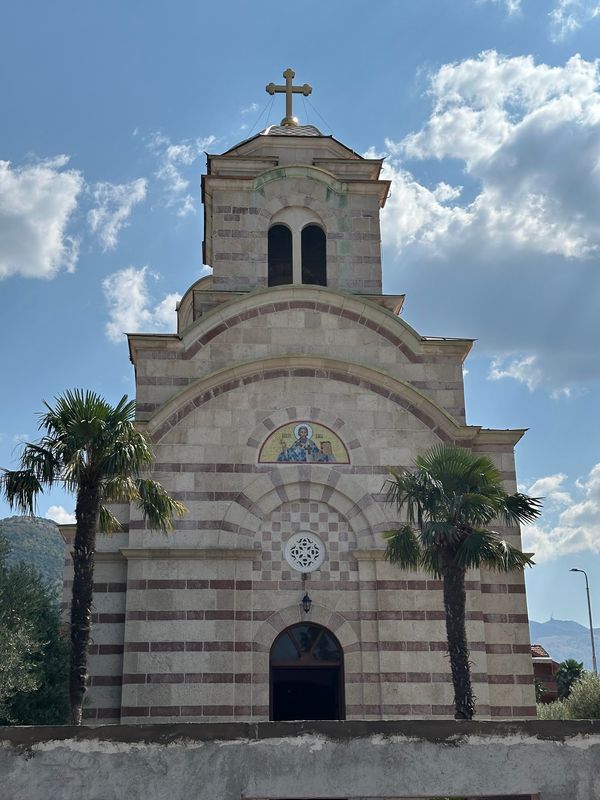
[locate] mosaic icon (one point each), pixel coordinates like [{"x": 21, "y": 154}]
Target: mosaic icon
[{"x": 303, "y": 442}]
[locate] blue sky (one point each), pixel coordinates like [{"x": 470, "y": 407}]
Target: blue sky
[{"x": 489, "y": 115}]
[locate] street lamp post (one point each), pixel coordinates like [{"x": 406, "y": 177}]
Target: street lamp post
[{"x": 587, "y": 589}]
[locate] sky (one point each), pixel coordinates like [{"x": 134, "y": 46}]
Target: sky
[{"x": 488, "y": 115}]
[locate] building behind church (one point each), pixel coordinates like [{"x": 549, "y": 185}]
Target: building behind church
[{"x": 291, "y": 383}]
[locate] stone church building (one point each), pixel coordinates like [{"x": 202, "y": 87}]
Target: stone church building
[{"x": 291, "y": 383}]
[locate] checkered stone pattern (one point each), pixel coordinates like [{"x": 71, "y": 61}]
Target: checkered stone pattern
[{"x": 320, "y": 518}]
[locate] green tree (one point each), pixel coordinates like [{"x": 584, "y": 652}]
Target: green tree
[
  {"x": 34, "y": 664},
  {"x": 569, "y": 671},
  {"x": 449, "y": 500},
  {"x": 583, "y": 701},
  {"x": 94, "y": 450}
]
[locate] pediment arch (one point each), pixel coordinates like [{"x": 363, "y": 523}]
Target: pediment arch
[
  {"x": 263, "y": 302},
  {"x": 305, "y": 171},
  {"x": 207, "y": 388}
]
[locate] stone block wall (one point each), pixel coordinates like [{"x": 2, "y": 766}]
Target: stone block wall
[{"x": 239, "y": 215}]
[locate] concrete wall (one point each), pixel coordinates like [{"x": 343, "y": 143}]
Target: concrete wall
[{"x": 352, "y": 760}]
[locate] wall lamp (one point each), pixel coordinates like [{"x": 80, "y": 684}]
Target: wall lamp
[{"x": 306, "y": 603}]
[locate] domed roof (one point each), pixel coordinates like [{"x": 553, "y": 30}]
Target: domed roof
[{"x": 291, "y": 130}]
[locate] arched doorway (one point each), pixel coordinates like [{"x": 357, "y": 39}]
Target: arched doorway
[{"x": 307, "y": 674}]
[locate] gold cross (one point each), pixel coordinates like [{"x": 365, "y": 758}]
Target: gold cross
[{"x": 271, "y": 88}]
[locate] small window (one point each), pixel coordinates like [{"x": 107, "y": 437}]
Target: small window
[
  {"x": 280, "y": 255},
  {"x": 314, "y": 269}
]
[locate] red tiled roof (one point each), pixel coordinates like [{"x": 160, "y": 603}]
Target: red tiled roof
[{"x": 537, "y": 651}]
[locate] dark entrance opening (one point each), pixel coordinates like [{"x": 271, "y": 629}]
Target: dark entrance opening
[{"x": 307, "y": 674}]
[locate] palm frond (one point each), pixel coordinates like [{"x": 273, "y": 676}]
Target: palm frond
[
  {"x": 485, "y": 548},
  {"x": 107, "y": 522},
  {"x": 20, "y": 488},
  {"x": 157, "y": 506},
  {"x": 431, "y": 562},
  {"x": 403, "y": 548},
  {"x": 435, "y": 534},
  {"x": 120, "y": 489},
  {"x": 520, "y": 508},
  {"x": 42, "y": 462},
  {"x": 509, "y": 558},
  {"x": 129, "y": 452}
]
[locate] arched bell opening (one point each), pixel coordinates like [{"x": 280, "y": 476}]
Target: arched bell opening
[
  {"x": 314, "y": 258},
  {"x": 280, "y": 255},
  {"x": 306, "y": 674}
]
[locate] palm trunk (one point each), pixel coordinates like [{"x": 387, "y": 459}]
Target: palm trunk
[
  {"x": 86, "y": 513},
  {"x": 458, "y": 649}
]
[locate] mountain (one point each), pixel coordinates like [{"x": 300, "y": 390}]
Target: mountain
[
  {"x": 37, "y": 542},
  {"x": 564, "y": 638}
]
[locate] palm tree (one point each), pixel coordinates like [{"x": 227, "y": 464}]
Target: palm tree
[
  {"x": 569, "y": 672},
  {"x": 93, "y": 450},
  {"x": 449, "y": 500}
]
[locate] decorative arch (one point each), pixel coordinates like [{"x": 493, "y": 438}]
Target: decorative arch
[
  {"x": 403, "y": 394},
  {"x": 345, "y": 493},
  {"x": 306, "y": 674},
  {"x": 262, "y": 302},
  {"x": 297, "y": 245},
  {"x": 322, "y": 615},
  {"x": 318, "y": 174}
]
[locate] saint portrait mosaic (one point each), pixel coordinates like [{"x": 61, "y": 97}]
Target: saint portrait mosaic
[{"x": 303, "y": 442}]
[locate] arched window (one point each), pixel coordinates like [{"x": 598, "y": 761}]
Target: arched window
[
  {"x": 280, "y": 255},
  {"x": 314, "y": 263},
  {"x": 307, "y": 674}
]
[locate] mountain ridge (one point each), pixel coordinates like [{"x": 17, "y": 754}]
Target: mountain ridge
[{"x": 564, "y": 638}]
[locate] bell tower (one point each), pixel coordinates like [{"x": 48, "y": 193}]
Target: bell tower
[{"x": 293, "y": 206}]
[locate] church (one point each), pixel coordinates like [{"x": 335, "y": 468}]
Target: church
[{"x": 290, "y": 384}]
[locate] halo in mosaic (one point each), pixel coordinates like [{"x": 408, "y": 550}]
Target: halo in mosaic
[
  {"x": 304, "y": 552},
  {"x": 301, "y": 441}
]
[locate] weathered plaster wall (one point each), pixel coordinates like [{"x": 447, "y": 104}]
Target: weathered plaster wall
[{"x": 352, "y": 760}]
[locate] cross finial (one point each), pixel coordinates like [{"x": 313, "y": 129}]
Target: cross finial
[{"x": 271, "y": 88}]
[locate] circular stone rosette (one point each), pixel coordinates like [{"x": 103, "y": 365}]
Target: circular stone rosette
[{"x": 305, "y": 552}]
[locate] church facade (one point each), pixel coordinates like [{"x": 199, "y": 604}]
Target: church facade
[{"x": 291, "y": 383}]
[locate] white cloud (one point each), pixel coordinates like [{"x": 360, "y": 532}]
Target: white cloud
[
  {"x": 527, "y": 134},
  {"x": 60, "y": 515},
  {"x": 37, "y": 202},
  {"x": 577, "y": 526},
  {"x": 507, "y": 246},
  {"x": 173, "y": 159},
  {"x": 114, "y": 205},
  {"x": 570, "y": 15},
  {"x": 522, "y": 369},
  {"x": 552, "y": 488},
  {"x": 250, "y": 109},
  {"x": 131, "y": 307},
  {"x": 21, "y": 438},
  {"x": 564, "y": 392},
  {"x": 511, "y": 6}
]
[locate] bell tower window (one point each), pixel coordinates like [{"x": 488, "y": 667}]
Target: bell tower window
[
  {"x": 314, "y": 263},
  {"x": 280, "y": 255}
]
